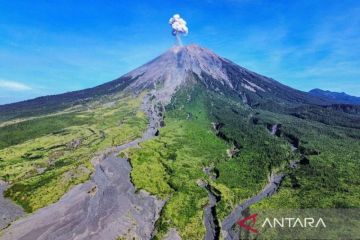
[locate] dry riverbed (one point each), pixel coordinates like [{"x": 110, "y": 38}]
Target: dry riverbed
[{"x": 105, "y": 207}]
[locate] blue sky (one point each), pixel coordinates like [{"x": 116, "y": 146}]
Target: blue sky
[{"x": 49, "y": 47}]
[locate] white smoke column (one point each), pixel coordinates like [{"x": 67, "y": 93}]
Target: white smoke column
[{"x": 179, "y": 27}]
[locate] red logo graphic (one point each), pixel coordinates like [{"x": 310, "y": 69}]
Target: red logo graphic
[{"x": 242, "y": 223}]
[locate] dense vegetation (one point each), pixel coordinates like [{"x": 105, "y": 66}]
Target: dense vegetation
[
  {"x": 43, "y": 157},
  {"x": 328, "y": 179},
  {"x": 171, "y": 165},
  {"x": 201, "y": 128},
  {"x": 20, "y": 132}
]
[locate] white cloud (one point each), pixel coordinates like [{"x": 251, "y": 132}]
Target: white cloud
[{"x": 12, "y": 85}]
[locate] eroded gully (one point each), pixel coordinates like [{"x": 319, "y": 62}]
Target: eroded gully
[
  {"x": 229, "y": 232},
  {"x": 105, "y": 207}
]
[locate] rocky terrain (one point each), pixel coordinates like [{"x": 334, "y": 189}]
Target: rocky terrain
[
  {"x": 229, "y": 229},
  {"x": 220, "y": 140},
  {"x": 8, "y": 210},
  {"x": 105, "y": 207}
]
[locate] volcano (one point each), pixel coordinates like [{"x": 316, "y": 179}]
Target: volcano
[
  {"x": 172, "y": 70},
  {"x": 179, "y": 148}
]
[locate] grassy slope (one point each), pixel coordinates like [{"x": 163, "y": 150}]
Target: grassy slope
[
  {"x": 18, "y": 133},
  {"x": 260, "y": 154},
  {"x": 170, "y": 165},
  {"x": 40, "y": 158}
]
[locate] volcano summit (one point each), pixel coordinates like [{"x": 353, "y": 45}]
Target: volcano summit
[{"x": 176, "y": 149}]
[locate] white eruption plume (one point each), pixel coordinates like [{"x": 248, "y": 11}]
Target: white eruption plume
[{"x": 179, "y": 27}]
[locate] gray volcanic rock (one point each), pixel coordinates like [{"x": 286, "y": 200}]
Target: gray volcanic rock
[
  {"x": 230, "y": 221},
  {"x": 168, "y": 72},
  {"x": 172, "y": 235},
  {"x": 105, "y": 207},
  {"x": 174, "y": 67},
  {"x": 9, "y": 211}
]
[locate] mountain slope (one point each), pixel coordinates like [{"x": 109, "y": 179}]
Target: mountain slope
[
  {"x": 170, "y": 71},
  {"x": 223, "y": 131},
  {"x": 53, "y": 103},
  {"x": 176, "y": 66},
  {"x": 335, "y": 96}
]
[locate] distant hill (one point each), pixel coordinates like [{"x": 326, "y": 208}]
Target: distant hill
[{"x": 335, "y": 96}]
